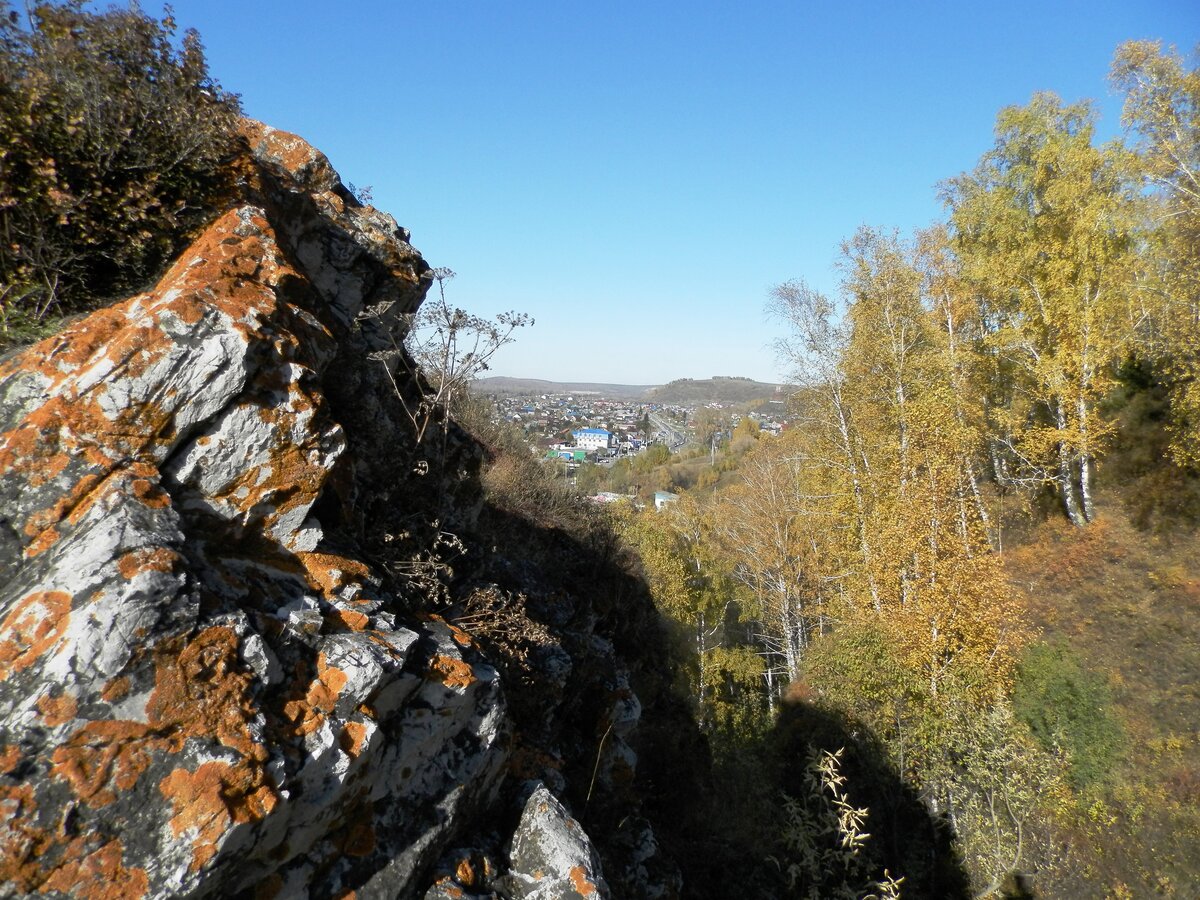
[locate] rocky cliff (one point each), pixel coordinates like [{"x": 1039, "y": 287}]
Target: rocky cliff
[{"x": 257, "y": 639}]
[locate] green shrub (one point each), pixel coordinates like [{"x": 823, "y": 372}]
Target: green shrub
[
  {"x": 112, "y": 140},
  {"x": 1068, "y": 707},
  {"x": 654, "y": 455}
]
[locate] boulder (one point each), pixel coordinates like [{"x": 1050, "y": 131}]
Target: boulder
[
  {"x": 197, "y": 694},
  {"x": 552, "y": 857},
  {"x": 226, "y": 665}
]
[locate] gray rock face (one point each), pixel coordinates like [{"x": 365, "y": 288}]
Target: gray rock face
[
  {"x": 552, "y": 856},
  {"x": 212, "y": 680}
]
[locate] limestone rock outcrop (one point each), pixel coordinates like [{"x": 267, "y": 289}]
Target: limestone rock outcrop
[
  {"x": 552, "y": 857},
  {"x": 224, "y": 668}
]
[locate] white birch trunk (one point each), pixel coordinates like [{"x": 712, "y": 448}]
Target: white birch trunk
[
  {"x": 1085, "y": 462},
  {"x": 1066, "y": 473},
  {"x": 843, "y": 427}
]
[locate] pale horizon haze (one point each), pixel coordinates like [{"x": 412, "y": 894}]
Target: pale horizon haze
[{"x": 637, "y": 176}]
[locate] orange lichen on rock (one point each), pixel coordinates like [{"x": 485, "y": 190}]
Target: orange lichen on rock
[
  {"x": 46, "y": 538},
  {"x": 68, "y": 428},
  {"x": 21, "y": 841},
  {"x": 308, "y": 712},
  {"x": 464, "y": 872},
  {"x": 80, "y": 498},
  {"x": 203, "y": 690},
  {"x": 53, "y": 468},
  {"x": 148, "y": 559},
  {"x": 349, "y": 619},
  {"x": 329, "y": 573},
  {"x": 79, "y": 422},
  {"x": 151, "y": 494},
  {"x": 291, "y": 152},
  {"x": 462, "y": 638},
  {"x": 453, "y": 673},
  {"x": 290, "y": 477},
  {"x": 353, "y": 738},
  {"x": 99, "y": 875},
  {"x": 82, "y": 866},
  {"x": 580, "y": 882},
  {"x": 199, "y": 692},
  {"x": 115, "y": 689},
  {"x": 360, "y": 838},
  {"x": 136, "y": 347},
  {"x": 219, "y": 264},
  {"x": 323, "y": 692},
  {"x": 103, "y": 757},
  {"x": 212, "y": 799},
  {"x": 71, "y": 347},
  {"x": 303, "y": 718},
  {"x": 10, "y": 755},
  {"x": 72, "y": 422},
  {"x": 57, "y": 710},
  {"x": 33, "y": 627}
]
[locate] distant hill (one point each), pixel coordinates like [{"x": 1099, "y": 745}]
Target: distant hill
[
  {"x": 695, "y": 391},
  {"x": 502, "y": 384},
  {"x": 681, "y": 392}
]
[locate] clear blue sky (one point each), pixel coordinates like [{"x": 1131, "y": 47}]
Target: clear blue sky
[{"x": 637, "y": 175}]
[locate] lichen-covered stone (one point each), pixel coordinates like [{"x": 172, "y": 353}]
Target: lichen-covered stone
[
  {"x": 552, "y": 856},
  {"x": 193, "y": 700},
  {"x": 213, "y": 680}
]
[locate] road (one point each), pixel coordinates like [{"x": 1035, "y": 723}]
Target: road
[{"x": 678, "y": 435}]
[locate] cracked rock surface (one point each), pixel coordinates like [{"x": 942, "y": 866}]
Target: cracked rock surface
[{"x": 212, "y": 681}]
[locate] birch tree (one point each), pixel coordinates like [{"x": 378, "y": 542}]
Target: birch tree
[
  {"x": 876, "y": 476},
  {"x": 1044, "y": 230},
  {"x": 773, "y": 525},
  {"x": 1162, "y": 110},
  {"x": 688, "y": 583},
  {"x": 814, "y": 344},
  {"x": 943, "y": 601},
  {"x": 956, "y": 333}
]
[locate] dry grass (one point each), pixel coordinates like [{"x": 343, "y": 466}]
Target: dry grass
[{"x": 1127, "y": 602}]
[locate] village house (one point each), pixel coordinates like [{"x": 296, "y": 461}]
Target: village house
[{"x": 593, "y": 438}]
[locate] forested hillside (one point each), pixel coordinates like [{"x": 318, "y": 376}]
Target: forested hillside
[
  {"x": 698, "y": 391},
  {"x": 954, "y": 605}
]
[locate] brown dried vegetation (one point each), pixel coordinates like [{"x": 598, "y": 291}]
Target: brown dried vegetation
[{"x": 112, "y": 136}]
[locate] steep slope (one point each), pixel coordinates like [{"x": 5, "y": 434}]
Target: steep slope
[
  {"x": 1125, "y": 604},
  {"x": 224, "y": 555}
]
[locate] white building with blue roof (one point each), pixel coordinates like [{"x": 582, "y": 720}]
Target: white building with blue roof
[{"x": 593, "y": 438}]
